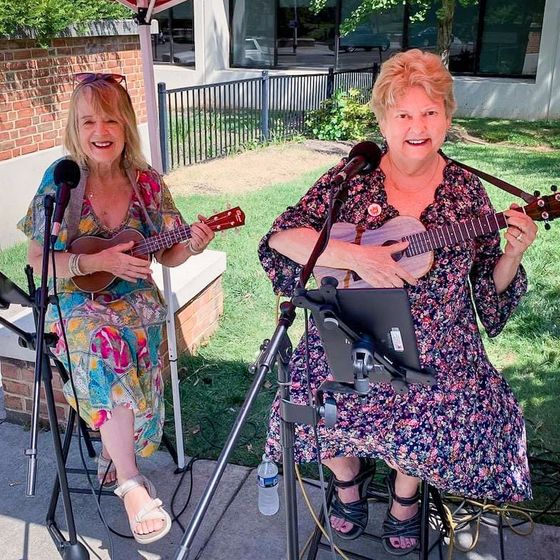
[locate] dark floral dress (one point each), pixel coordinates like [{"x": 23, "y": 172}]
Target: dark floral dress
[{"x": 466, "y": 434}]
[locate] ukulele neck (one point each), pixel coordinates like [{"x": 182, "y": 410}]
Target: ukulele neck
[{"x": 454, "y": 234}]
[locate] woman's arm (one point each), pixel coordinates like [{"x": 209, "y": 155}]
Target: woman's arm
[
  {"x": 373, "y": 264},
  {"x": 114, "y": 260},
  {"x": 521, "y": 232},
  {"x": 201, "y": 235}
]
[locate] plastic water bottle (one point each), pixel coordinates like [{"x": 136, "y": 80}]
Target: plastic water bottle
[{"x": 267, "y": 480}]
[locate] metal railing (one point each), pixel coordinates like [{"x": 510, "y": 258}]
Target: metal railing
[{"x": 200, "y": 123}]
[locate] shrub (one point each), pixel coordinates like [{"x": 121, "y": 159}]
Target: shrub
[{"x": 342, "y": 117}]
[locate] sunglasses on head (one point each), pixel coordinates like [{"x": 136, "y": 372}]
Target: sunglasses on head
[{"x": 90, "y": 77}]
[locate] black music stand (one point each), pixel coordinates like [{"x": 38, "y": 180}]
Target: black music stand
[
  {"x": 10, "y": 293},
  {"x": 368, "y": 336}
]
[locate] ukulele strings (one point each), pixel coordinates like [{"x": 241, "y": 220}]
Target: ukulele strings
[
  {"x": 151, "y": 244},
  {"x": 182, "y": 233}
]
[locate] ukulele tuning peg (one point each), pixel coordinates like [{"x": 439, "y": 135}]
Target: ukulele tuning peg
[
  {"x": 553, "y": 188},
  {"x": 537, "y": 193}
]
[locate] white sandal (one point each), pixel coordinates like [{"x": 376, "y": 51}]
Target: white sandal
[
  {"x": 103, "y": 463},
  {"x": 153, "y": 510}
]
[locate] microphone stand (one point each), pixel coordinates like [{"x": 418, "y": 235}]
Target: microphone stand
[
  {"x": 277, "y": 349},
  {"x": 71, "y": 549}
]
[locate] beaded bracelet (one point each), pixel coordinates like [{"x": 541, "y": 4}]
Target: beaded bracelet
[{"x": 193, "y": 252}]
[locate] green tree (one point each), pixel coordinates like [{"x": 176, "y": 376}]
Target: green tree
[
  {"x": 46, "y": 19},
  {"x": 445, "y": 14}
]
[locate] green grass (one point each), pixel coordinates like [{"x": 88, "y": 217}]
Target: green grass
[{"x": 515, "y": 132}]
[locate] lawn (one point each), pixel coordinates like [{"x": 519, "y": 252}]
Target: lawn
[{"x": 214, "y": 382}]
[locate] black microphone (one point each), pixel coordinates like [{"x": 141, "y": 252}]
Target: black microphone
[
  {"x": 363, "y": 158},
  {"x": 66, "y": 178}
]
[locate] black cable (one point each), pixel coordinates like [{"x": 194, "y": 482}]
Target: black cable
[{"x": 188, "y": 469}]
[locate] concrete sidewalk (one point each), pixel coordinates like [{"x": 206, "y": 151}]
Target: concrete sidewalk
[{"x": 232, "y": 528}]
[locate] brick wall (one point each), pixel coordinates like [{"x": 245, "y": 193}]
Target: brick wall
[
  {"x": 35, "y": 85},
  {"x": 195, "y": 322}
]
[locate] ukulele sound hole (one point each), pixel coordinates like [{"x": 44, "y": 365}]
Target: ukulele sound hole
[{"x": 396, "y": 256}]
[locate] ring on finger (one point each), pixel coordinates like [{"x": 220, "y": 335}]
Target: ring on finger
[{"x": 519, "y": 237}]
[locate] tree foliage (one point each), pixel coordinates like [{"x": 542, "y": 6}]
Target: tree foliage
[
  {"x": 46, "y": 19},
  {"x": 419, "y": 9}
]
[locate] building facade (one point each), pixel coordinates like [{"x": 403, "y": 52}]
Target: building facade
[{"x": 505, "y": 54}]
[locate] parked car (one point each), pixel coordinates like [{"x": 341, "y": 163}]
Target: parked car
[
  {"x": 256, "y": 50},
  {"x": 363, "y": 39}
]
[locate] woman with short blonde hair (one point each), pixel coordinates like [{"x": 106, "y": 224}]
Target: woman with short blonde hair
[
  {"x": 408, "y": 69},
  {"x": 465, "y": 434}
]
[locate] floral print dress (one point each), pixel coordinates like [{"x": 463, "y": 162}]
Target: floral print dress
[
  {"x": 466, "y": 434},
  {"x": 114, "y": 337}
]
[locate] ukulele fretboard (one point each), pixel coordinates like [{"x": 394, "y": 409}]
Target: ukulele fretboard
[{"x": 453, "y": 234}]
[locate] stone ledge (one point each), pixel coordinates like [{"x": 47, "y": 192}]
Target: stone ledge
[{"x": 187, "y": 281}]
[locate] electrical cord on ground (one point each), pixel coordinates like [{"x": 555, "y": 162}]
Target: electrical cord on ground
[
  {"x": 188, "y": 469},
  {"x": 461, "y": 513},
  {"x": 74, "y": 393}
]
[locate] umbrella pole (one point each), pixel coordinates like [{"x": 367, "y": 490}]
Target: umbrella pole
[{"x": 144, "y": 31}]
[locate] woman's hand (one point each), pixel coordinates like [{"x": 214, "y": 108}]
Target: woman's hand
[
  {"x": 116, "y": 261},
  {"x": 376, "y": 266},
  {"x": 201, "y": 235},
  {"x": 521, "y": 232}
]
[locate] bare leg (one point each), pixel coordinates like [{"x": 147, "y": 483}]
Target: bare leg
[
  {"x": 344, "y": 468},
  {"x": 405, "y": 487},
  {"x": 117, "y": 435}
]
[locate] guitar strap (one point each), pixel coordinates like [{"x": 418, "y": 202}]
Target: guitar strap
[
  {"x": 77, "y": 199},
  {"x": 494, "y": 180},
  {"x": 74, "y": 211}
]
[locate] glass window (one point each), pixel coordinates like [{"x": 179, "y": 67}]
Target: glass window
[
  {"x": 511, "y": 37},
  {"x": 373, "y": 40},
  {"x": 305, "y": 39},
  {"x": 175, "y": 41},
  {"x": 253, "y": 28},
  {"x": 494, "y": 37},
  {"x": 463, "y": 46}
]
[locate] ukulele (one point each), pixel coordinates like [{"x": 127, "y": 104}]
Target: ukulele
[
  {"x": 418, "y": 257},
  {"x": 143, "y": 247}
]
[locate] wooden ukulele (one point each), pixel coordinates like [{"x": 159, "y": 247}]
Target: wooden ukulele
[
  {"x": 418, "y": 257},
  {"x": 143, "y": 247}
]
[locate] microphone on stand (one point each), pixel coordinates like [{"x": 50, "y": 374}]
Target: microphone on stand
[
  {"x": 66, "y": 178},
  {"x": 363, "y": 158}
]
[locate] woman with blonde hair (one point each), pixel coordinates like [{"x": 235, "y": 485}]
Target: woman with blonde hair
[
  {"x": 113, "y": 335},
  {"x": 465, "y": 435}
]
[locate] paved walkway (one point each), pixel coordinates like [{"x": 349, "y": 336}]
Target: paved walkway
[{"x": 232, "y": 528}]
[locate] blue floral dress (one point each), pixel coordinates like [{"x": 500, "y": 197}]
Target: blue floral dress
[
  {"x": 114, "y": 337},
  {"x": 466, "y": 434}
]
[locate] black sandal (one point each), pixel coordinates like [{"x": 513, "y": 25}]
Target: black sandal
[
  {"x": 395, "y": 528},
  {"x": 354, "y": 512}
]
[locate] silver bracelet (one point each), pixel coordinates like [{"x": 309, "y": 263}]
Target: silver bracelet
[
  {"x": 193, "y": 252},
  {"x": 74, "y": 265}
]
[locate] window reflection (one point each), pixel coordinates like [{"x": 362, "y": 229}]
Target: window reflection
[
  {"x": 511, "y": 37},
  {"x": 175, "y": 41},
  {"x": 494, "y": 37}
]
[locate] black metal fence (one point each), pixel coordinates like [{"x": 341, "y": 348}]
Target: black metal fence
[{"x": 200, "y": 123}]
